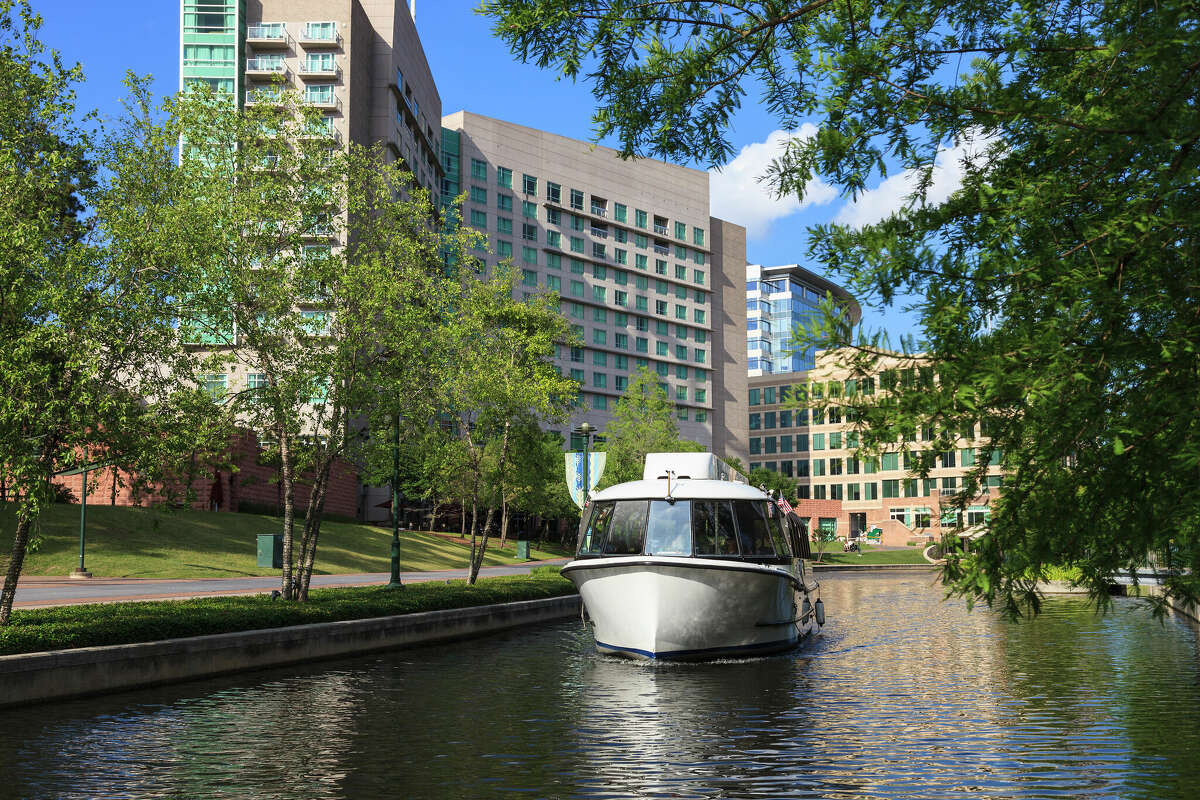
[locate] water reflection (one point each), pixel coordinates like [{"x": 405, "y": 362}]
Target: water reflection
[{"x": 901, "y": 696}]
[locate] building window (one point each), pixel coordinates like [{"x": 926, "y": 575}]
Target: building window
[
  {"x": 553, "y": 216},
  {"x": 577, "y": 200},
  {"x": 639, "y": 220},
  {"x": 755, "y": 422},
  {"x": 818, "y": 441},
  {"x": 529, "y": 255},
  {"x": 479, "y": 219},
  {"x": 576, "y": 288},
  {"x": 640, "y": 261},
  {"x": 528, "y": 277},
  {"x": 620, "y": 212},
  {"x": 504, "y": 177},
  {"x": 529, "y": 184},
  {"x": 553, "y": 193},
  {"x": 641, "y": 344},
  {"x": 504, "y": 226},
  {"x": 528, "y": 209},
  {"x": 755, "y": 446},
  {"x": 599, "y": 402},
  {"x": 504, "y": 202},
  {"x": 576, "y": 244},
  {"x": 699, "y": 316},
  {"x": 600, "y": 337},
  {"x": 698, "y": 236},
  {"x": 599, "y": 251},
  {"x": 479, "y": 170},
  {"x": 660, "y": 307},
  {"x": 529, "y": 232},
  {"x": 891, "y": 488},
  {"x": 554, "y": 239},
  {"x": 554, "y": 283},
  {"x": 600, "y": 315}
]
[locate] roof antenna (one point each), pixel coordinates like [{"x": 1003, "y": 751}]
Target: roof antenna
[{"x": 670, "y": 474}]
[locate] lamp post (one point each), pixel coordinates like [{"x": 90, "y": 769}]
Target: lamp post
[
  {"x": 586, "y": 430},
  {"x": 81, "y": 571},
  {"x": 395, "y": 583}
]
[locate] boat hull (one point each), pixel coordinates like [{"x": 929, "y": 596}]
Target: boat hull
[{"x": 691, "y": 608}]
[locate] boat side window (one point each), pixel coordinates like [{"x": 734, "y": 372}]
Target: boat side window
[
  {"x": 628, "y": 529},
  {"x": 713, "y": 528},
  {"x": 669, "y": 532},
  {"x": 754, "y": 531},
  {"x": 597, "y": 529},
  {"x": 777, "y": 524}
]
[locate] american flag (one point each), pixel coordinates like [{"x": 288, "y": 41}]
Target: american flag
[{"x": 784, "y": 505}]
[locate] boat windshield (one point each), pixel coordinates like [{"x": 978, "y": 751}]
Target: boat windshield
[{"x": 733, "y": 528}]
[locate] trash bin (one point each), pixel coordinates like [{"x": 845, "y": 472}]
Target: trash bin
[
  {"x": 270, "y": 550},
  {"x": 522, "y": 550}
]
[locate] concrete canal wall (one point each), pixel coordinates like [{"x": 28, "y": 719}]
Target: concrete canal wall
[{"x": 57, "y": 675}]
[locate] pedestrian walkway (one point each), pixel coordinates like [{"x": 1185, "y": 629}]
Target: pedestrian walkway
[{"x": 35, "y": 592}]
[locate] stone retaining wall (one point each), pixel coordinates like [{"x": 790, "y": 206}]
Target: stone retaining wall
[{"x": 38, "y": 677}]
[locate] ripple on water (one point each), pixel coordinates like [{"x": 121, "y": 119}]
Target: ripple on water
[{"x": 902, "y": 696}]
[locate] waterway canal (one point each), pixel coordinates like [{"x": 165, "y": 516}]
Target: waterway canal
[{"x": 902, "y": 696}]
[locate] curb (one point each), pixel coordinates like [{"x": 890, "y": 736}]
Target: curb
[
  {"x": 60, "y": 674},
  {"x": 873, "y": 567}
]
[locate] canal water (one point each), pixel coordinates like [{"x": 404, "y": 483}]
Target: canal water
[{"x": 901, "y": 696}]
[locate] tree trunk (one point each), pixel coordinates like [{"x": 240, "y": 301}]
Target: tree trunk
[
  {"x": 312, "y": 528},
  {"x": 503, "y": 522},
  {"x": 113, "y": 497},
  {"x": 477, "y": 560},
  {"x": 477, "y": 557},
  {"x": 20, "y": 542},
  {"x": 433, "y": 517},
  {"x": 288, "y": 487},
  {"x": 462, "y": 519}
]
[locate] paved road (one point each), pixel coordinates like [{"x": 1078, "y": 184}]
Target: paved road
[{"x": 34, "y": 592}]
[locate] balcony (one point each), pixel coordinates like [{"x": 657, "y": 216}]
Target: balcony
[
  {"x": 320, "y": 34},
  {"x": 321, "y": 130},
  {"x": 327, "y": 101},
  {"x": 600, "y": 233},
  {"x": 319, "y": 70},
  {"x": 267, "y": 96},
  {"x": 266, "y": 67},
  {"x": 273, "y": 34},
  {"x": 661, "y": 230},
  {"x": 599, "y": 211},
  {"x": 662, "y": 249}
]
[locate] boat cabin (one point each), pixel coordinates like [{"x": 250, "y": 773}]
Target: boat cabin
[{"x": 688, "y": 505}]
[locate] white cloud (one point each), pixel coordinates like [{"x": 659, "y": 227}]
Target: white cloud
[
  {"x": 737, "y": 195},
  {"x": 892, "y": 194}
]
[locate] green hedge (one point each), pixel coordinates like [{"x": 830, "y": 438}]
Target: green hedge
[{"x": 66, "y": 627}]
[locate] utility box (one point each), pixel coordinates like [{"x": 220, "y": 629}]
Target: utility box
[
  {"x": 522, "y": 550},
  {"x": 270, "y": 550}
]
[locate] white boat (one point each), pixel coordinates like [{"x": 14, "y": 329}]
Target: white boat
[{"x": 692, "y": 563}]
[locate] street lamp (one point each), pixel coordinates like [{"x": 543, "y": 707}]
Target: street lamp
[{"x": 395, "y": 583}]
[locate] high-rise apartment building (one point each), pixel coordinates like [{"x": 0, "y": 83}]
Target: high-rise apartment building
[
  {"x": 359, "y": 61},
  {"x": 647, "y": 277}
]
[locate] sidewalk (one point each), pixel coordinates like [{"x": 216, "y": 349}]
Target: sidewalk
[{"x": 38, "y": 592}]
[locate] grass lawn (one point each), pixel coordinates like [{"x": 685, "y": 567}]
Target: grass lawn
[
  {"x": 871, "y": 555},
  {"x": 156, "y": 543}
]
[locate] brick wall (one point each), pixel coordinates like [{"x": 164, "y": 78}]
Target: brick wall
[{"x": 223, "y": 488}]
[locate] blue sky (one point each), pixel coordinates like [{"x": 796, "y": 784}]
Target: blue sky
[{"x": 475, "y": 71}]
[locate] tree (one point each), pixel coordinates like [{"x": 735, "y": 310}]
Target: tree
[
  {"x": 313, "y": 271},
  {"x": 773, "y": 482},
  {"x": 499, "y": 376},
  {"x": 642, "y": 422},
  {"x": 1057, "y": 287},
  {"x": 80, "y": 327}
]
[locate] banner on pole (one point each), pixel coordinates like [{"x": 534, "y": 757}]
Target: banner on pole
[{"x": 574, "y": 461}]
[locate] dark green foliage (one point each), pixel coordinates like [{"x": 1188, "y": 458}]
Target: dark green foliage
[
  {"x": 96, "y": 625},
  {"x": 1058, "y": 289}
]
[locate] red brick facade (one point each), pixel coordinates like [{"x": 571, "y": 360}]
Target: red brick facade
[{"x": 244, "y": 481}]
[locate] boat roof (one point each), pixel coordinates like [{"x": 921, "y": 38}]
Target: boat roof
[{"x": 682, "y": 489}]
